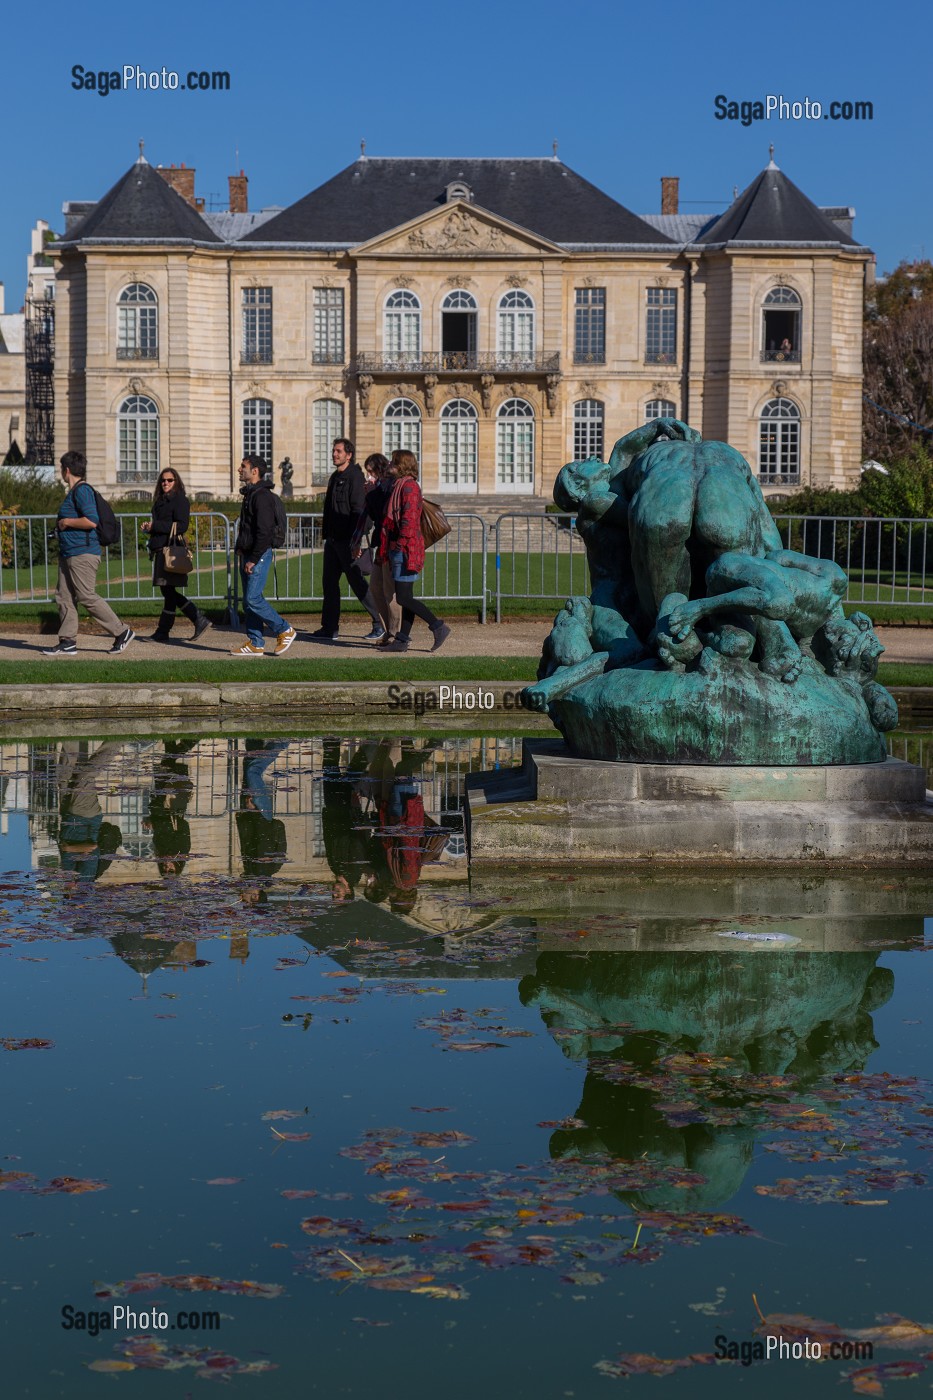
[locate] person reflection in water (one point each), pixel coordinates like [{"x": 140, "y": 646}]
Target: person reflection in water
[
  {"x": 405, "y": 838},
  {"x": 86, "y": 843},
  {"x": 263, "y": 840},
  {"x": 168, "y": 801},
  {"x": 346, "y": 830}
]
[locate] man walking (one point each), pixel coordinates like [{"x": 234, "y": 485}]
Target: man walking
[
  {"x": 345, "y": 499},
  {"x": 79, "y": 556},
  {"x": 254, "y": 544}
]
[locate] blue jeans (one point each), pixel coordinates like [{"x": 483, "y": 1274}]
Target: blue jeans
[
  {"x": 256, "y": 610},
  {"x": 255, "y": 767}
]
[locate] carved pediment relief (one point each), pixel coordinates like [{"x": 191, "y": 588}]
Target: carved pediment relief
[{"x": 458, "y": 230}]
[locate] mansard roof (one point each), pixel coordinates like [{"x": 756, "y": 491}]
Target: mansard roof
[
  {"x": 375, "y": 194},
  {"x": 773, "y": 210},
  {"x": 142, "y": 206}
]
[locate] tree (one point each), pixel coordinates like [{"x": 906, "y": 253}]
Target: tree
[{"x": 898, "y": 359}]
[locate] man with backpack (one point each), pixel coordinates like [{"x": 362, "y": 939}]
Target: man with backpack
[
  {"x": 82, "y": 532},
  {"x": 261, "y": 529}
]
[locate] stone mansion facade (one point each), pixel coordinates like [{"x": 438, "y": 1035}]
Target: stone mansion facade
[{"x": 498, "y": 317}]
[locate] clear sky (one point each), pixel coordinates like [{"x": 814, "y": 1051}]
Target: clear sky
[{"x": 627, "y": 89}]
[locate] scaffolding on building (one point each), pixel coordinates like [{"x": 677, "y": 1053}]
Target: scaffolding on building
[{"x": 40, "y": 388}]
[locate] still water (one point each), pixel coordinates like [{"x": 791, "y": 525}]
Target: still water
[{"x": 333, "y": 1118}]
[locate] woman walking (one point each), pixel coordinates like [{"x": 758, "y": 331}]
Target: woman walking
[
  {"x": 402, "y": 544},
  {"x": 170, "y": 508},
  {"x": 381, "y": 583}
]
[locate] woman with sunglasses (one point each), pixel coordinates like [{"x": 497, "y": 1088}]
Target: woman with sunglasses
[{"x": 170, "y": 507}]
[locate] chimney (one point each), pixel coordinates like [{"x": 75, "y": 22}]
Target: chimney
[
  {"x": 181, "y": 179},
  {"x": 238, "y": 186},
  {"x": 670, "y": 191}
]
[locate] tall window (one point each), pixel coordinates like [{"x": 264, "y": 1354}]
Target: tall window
[
  {"x": 257, "y": 326},
  {"x": 516, "y": 330},
  {"x": 137, "y": 440},
  {"x": 780, "y": 325},
  {"x": 328, "y": 325},
  {"x": 138, "y": 323},
  {"x": 660, "y": 408},
  {"x": 589, "y": 326},
  {"x": 257, "y": 428},
  {"x": 779, "y": 443},
  {"x": 458, "y": 330},
  {"x": 458, "y": 446},
  {"x": 326, "y": 424},
  {"x": 401, "y": 428},
  {"x": 402, "y": 329},
  {"x": 588, "y": 421},
  {"x": 661, "y": 328},
  {"x": 515, "y": 446}
]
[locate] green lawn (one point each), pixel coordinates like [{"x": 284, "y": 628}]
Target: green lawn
[{"x": 122, "y": 671}]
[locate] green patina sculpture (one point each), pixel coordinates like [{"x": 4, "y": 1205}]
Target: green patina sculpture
[{"x": 703, "y": 640}]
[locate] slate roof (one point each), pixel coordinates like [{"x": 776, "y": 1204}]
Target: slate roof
[
  {"x": 773, "y": 210},
  {"x": 141, "y": 205},
  {"x": 376, "y": 194},
  {"x": 682, "y": 228},
  {"x": 232, "y": 227}
]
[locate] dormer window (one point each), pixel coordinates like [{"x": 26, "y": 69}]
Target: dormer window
[{"x": 458, "y": 190}]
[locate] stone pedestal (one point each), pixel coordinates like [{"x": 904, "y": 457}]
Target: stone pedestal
[{"x": 562, "y": 809}]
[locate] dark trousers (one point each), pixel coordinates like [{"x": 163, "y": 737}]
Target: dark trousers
[
  {"x": 173, "y": 599},
  {"x": 337, "y": 562}
]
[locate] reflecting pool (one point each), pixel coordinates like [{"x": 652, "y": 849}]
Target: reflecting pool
[{"x": 330, "y": 1117}]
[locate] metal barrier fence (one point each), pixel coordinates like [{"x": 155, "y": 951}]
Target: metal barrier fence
[
  {"x": 454, "y": 568},
  {"x": 887, "y": 561},
  {"x": 537, "y": 557},
  {"x": 29, "y": 559}
]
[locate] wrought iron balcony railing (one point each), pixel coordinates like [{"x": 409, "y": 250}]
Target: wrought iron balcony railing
[
  {"x": 137, "y": 352},
  {"x": 779, "y": 478},
  {"x": 256, "y": 357},
  {"x": 328, "y": 357},
  {"x": 787, "y": 356},
  {"x": 660, "y": 357},
  {"x": 456, "y": 362}
]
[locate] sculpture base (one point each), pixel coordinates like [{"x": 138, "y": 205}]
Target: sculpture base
[
  {"x": 722, "y": 711},
  {"x": 561, "y": 809}
]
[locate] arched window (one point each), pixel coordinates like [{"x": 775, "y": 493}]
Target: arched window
[
  {"x": 588, "y": 429},
  {"x": 138, "y": 323},
  {"x": 660, "y": 408},
  {"x": 515, "y": 343},
  {"x": 257, "y": 428},
  {"x": 326, "y": 424},
  {"x": 780, "y": 325},
  {"x": 779, "y": 443},
  {"x": 402, "y": 330},
  {"x": 458, "y": 330},
  {"x": 458, "y": 446},
  {"x": 515, "y": 446},
  {"x": 137, "y": 440},
  {"x": 401, "y": 428}
]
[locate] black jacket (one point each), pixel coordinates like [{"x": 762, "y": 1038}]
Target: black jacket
[
  {"x": 257, "y": 521},
  {"x": 171, "y": 506},
  {"x": 346, "y": 497}
]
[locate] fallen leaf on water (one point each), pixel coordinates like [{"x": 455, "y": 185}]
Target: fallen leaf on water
[
  {"x": 27, "y": 1043},
  {"x": 108, "y": 1365},
  {"x": 224, "y": 1181},
  {"x": 637, "y": 1363},
  {"x": 442, "y": 1290}
]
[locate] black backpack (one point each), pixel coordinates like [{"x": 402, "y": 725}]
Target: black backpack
[
  {"x": 280, "y": 525},
  {"x": 108, "y": 526}
]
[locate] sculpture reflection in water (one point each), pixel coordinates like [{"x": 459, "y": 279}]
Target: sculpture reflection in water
[
  {"x": 703, "y": 639},
  {"x": 684, "y": 1053}
]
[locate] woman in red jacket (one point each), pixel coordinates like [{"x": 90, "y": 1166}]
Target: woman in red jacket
[{"x": 402, "y": 544}]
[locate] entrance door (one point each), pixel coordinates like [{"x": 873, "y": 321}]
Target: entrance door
[{"x": 458, "y": 467}]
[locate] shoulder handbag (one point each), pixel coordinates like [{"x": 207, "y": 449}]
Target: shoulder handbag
[
  {"x": 434, "y": 523},
  {"x": 176, "y": 556}
]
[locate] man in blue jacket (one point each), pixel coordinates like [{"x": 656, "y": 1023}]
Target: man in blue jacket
[
  {"x": 79, "y": 556},
  {"x": 254, "y": 545}
]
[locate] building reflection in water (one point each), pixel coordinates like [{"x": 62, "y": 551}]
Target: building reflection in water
[{"x": 650, "y": 1027}]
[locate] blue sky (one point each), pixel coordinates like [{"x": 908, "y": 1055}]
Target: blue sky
[{"x": 626, "y": 89}]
